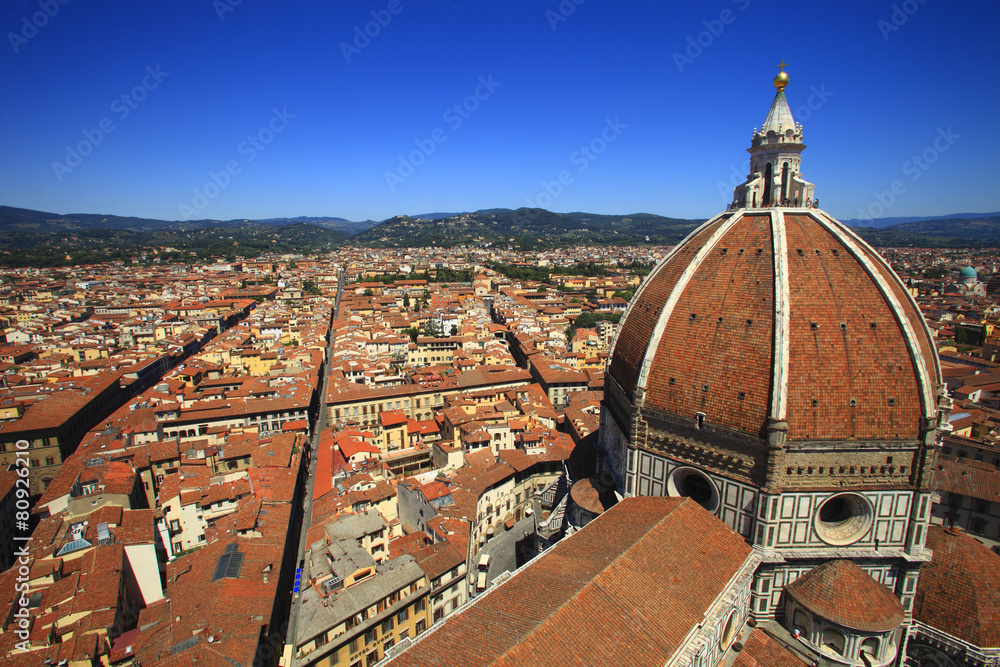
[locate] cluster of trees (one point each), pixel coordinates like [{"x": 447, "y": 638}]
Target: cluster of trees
[
  {"x": 968, "y": 336},
  {"x": 544, "y": 274},
  {"x": 625, "y": 294},
  {"x": 587, "y": 320}
]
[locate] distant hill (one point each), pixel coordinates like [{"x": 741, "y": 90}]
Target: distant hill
[
  {"x": 525, "y": 228},
  {"x": 339, "y": 224},
  {"x": 68, "y": 247},
  {"x": 977, "y": 230},
  {"x": 39, "y": 238},
  {"x": 27, "y": 220},
  {"x": 882, "y": 223}
]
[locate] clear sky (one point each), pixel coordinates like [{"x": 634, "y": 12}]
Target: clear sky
[{"x": 638, "y": 106}]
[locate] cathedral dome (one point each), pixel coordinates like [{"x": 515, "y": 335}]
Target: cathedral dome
[
  {"x": 968, "y": 272},
  {"x": 779, "y": 315}
]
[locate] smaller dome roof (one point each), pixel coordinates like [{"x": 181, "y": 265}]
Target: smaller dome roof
[
  {"x": 594, "y": 495},
  {"x": 841, "y": 592},
  {"x": 968, "y": 272}
]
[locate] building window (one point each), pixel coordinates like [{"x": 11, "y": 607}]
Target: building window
[
  {"x": 421, "y": 626},
  {"x": 418, "y": 606},
  {"x": 402, "y": 615},
  {"x": 386, "y": 627},
  {"x": 370, "y": 636},
  {"x": 977, "y": 526}
]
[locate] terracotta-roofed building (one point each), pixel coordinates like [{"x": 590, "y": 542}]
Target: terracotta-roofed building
[
  {"x": 970, "y": 498},
  {"x": 594, "y": 598},
  {"x": 762, "y": 650},
  {"x": 53, "y": 418},
  {"x": 221, "y": 607},
  {"x": 956, "y": 612}
]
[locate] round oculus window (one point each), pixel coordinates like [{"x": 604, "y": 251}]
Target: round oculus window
[
  {"x": 696, "y": 485},
  {"x": 844, "y": 519}
]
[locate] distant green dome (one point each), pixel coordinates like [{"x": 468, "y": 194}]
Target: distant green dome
[{"x": 968, "y": 272}]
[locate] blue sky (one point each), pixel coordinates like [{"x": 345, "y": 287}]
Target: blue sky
[{"x": 254, "y": 109}]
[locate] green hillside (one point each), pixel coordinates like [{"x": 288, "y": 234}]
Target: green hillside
[{"x": 527, "y": 229}]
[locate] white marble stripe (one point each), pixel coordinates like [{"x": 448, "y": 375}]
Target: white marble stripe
[
  {"x": 852, "y": 243},
  {"x": 675, "y": 294},
  {"x": 782, "y": 316},
  {"x": 649, "y": 279},
  {"x": 936, "y": 366}
]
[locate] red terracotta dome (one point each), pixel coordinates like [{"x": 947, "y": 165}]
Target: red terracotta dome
[
  {"x": 779, "y": 315},
  {"x": 841, "y": 592}
]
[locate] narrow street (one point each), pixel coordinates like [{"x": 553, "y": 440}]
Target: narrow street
[{"x": 306, "y": 517}]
